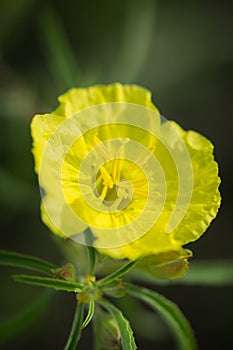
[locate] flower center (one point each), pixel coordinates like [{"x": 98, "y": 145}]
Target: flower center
[
  {"x": 110, "y": 187},
  {"x": 119, "y": 180}
]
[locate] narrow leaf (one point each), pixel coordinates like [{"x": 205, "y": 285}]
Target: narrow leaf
[
  {"x": 107, "y": 335},
  {"x": 76, "y": 329},
  {"x": 26, "y": 261},
  {"x": 50, "y": 283},
  {"x": 90, "y": 313},
  {"x": 125, "y": 330},
  {"x": 170, "y": 312},
  {"x": 120, "y": 272}
]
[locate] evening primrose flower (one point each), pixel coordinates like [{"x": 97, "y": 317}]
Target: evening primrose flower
[{"x": 108, "y": 161}]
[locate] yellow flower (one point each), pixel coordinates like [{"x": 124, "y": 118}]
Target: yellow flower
[{"x": 107, "y": 160}]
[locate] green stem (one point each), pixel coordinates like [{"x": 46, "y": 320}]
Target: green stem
[
  {"x": 76, "y": 329},
  {"x": 91, "y": 251},
  {"x": 120, "y": 272}
]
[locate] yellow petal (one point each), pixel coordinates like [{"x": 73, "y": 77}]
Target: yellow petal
[
  {"x": 42, "y": 127},
  {"x": 78, "y": 99}
]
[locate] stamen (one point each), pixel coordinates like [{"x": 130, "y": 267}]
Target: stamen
[
  {"x": 116, "y": 170},
  {"x": 106, "y": 177},
  {"x": 98, "y": 181},
  {"x": 104, "y": 192}
]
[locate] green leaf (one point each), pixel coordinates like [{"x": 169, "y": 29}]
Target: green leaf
[
  {"x": 76, "y": 329},
  {"x": 107, "y": 335},
  {"x": 50, "y": 283},
  {"x": 24, "y": 320},
  {"x": 120, "y": 272},
  {"x": 26, "y": 261},
  {"x": 90, "y": 313},
  {"x": 173, "y": 264},
  {"x": 170, "y": 312},
  {"x": 125, "y": 331}
]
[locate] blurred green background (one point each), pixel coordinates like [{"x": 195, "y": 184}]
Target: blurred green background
[{"x": 183, "y": 52}]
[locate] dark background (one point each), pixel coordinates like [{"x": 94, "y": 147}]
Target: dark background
[{"x": 182, "y": 51}]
